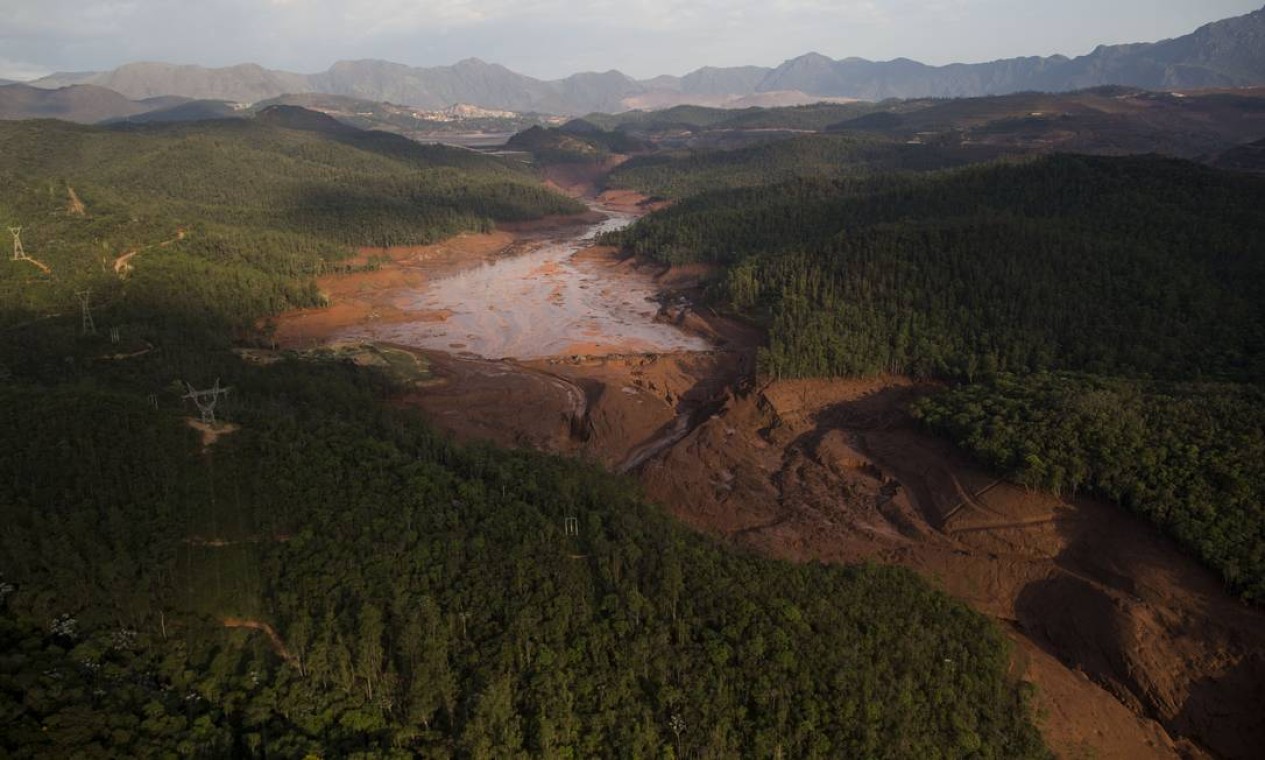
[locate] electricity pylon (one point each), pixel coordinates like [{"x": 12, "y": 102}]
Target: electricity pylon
[
  {"x": 85, "y": 298},
  {"x": 206, "y": 400},
  {"x": 19, "y": 253}
]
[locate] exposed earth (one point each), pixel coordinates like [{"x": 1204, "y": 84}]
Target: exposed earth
[{"x": 534, "y": 338}]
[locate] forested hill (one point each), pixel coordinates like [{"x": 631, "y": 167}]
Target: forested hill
[
  {"x": 334, "y": 578},
  {"x": 686, "y": 173},
  {"x": 248, "y": 210},
  {"x": 1138, "y": 265},
  {"x": 816, "y": 116},
  {"x": 427, "y": 599},
  {"x": 1145, "y": 275}
]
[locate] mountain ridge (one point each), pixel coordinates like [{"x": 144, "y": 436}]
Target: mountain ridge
[
  {"x": 1226, "y": 53},
  {"x": 80, "y": 102}
]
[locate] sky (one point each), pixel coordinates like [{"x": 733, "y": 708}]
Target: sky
[{"x": 553, "y": 38}]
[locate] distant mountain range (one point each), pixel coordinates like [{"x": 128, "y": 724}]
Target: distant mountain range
[
  {"x": 82, "y": 103},
  {"x": 91, "y": 104},
  {"x": 1229, "y": 53}
]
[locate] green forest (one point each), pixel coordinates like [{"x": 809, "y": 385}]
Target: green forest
[
  {"x": 335, "y": 578},
  {"x": 576, "y": 142},
  {"x": 1140, "y": 265},
  {"x": 681, "y": 174},
  {"x": 249, "y": 210},
  {"x": 1130, "y": 271},
  {"x": 1191, "y": 458},
  {"x": 815, "y": 116},
  {"x": 429, "y": 600}
]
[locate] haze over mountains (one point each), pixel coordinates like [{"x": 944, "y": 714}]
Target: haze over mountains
[
  {"x": 82, "y": 103},
  {"x": 1228, "y": 53}
]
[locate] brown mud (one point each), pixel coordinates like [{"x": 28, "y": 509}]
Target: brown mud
[
  {"x": 1135, "y": 649},
  {"x": 274, "y": 639},
  {"x": 211, "y": 433}
]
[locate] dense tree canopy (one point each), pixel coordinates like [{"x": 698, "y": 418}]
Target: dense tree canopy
[
  {"x": 1134, "y": 265},
  {"x": 685, "y": 173},
  {"x": 244, "y": 212},
  {"x": 336, "y": 579},
  {"x": 1141, "y": 268},
  {"x": 426, "y": 595},
  {"x": 1189, "y": 457}
]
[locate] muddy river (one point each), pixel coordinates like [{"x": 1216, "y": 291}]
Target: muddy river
[{"x": 540, "y": 303}]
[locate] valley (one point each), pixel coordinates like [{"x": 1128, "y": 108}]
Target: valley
[
  {"x": 1134, "y": 649},
  {"x": 539, "y": 337},
  {"x": 839, "y": 409}
]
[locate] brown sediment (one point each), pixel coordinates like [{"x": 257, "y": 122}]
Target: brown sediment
[
  {"x": 274, "y": 638},
  {"x": 593, "y": 346},
  {"x": 631, "y": 201},
  {"x": 356, "y": 298},
  {"x": 211, "y": 434},
  {"x": 1136, "y": 650},
  {"x": 464, "y": 245},
  {"x": 580, "y": 180}
]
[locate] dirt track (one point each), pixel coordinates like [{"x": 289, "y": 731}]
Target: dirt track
[
  {"x": 123, "y": 264},
  {"x": 274, "y": 638}
]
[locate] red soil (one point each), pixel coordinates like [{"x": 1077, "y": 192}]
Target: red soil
[
  {"x": 1135, "y": 649},
  {"x": 274, "y": 638}
]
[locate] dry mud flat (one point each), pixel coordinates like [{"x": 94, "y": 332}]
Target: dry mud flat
[
  {"x": 616, "y": 409},
  {"x": 363, "y": 297},
  {"x": 1136, "y": 650}
]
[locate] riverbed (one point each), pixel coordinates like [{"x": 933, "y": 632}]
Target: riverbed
[{"x": 540, "y": 302}]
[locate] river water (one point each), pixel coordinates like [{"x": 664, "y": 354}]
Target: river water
[{"x": 537, "y": 304}]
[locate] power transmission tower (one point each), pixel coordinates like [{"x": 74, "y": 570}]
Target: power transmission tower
[
  {"x": 207, "y": 399},
  {"x": 19, "y": 253},
  {"x": 85, "y": 297}
]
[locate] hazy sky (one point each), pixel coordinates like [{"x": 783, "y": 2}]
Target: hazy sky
[{"x": 552, "y": 38}]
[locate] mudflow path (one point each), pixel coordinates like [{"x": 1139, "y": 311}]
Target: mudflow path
[
  {"x": 1136, "y": 651},
  {"x": 538, "y": 338},
  {"x": 539, "y": 303}
]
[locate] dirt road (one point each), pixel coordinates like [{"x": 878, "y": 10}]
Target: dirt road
[{"x": 123, "y": 263}]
